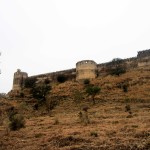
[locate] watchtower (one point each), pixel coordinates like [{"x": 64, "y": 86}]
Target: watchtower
[
  {"x": 18, "y": 81},
  {"x": 86, "y": 69}
]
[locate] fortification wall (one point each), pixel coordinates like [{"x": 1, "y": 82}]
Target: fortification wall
[
  {"x": 143, "y": 53},
  {"x": 143, "y": 58},
  {"x": 86, "y": 69},
  {"x": 70, "y": 74}
]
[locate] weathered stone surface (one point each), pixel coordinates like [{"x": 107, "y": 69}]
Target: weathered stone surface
[
  {"x": 85, "y": 69},
  {"x": 19, "y": 78}
]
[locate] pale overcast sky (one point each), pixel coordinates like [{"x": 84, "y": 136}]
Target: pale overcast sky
[{"x": 41, "y": 36}]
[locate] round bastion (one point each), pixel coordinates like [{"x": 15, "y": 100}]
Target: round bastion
[
  {"x": 86, "y": 69},
  {"x": 19, "y": 78}
]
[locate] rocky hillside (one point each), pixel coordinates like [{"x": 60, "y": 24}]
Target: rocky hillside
[{"x": 118, "y": 120}]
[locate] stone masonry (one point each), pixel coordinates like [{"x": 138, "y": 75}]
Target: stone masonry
[{"x": 85, "y": 69}]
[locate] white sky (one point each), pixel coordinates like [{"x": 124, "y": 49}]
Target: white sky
[{"x": 41, "y": 36}]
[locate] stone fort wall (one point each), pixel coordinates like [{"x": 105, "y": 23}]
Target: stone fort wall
[
  {"x": 70, "y": 74},
  {"x": 86, "y": 69}
]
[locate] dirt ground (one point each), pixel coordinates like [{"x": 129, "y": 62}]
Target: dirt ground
[{"x": 110, "y": 128}]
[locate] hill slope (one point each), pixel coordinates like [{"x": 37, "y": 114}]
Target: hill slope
[{"x": 110, "y": 127}]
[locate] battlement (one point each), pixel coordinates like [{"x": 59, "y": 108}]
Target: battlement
[{"x": 87, "y": 62}]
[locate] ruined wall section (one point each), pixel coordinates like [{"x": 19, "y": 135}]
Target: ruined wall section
[
  {"x": 143, "y": 58},
  {"x": 70, "y": 74},
  {"x": 129, "y": 63},
  {"x": 86, "y": 69}
]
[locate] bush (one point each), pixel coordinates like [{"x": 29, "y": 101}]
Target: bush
[
  {"x": 3, "y": 95},
  {"x": 36, "y": 106},
  {"x": 127, "y": 108},
  {"x": 40, "y": 92},
  {"x": 51, "y": 104},
  {"x": 86, "y": 81},
  {"x": 84, "y": 118},
  {"x": 21, "y": 94},
  {"x": 17, "y": 122},
  {"x": 118, "y": 67},
  {"x": 93, "y": 133},
  {"x": 61, "y": 78},
  {"x": 125, "y": 88},
  {"x": 56, "y": 121},
  {"x": 78, "y": 96},
  {"x": 30, "y": 82},
  {"x": 118, "y": 70},
  {"x": 46, "y": 81},
  {"x": 92, "y": 91},
  {"x": 117, "y": 61}
]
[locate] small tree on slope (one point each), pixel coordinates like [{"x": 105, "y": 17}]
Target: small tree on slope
[{"x": 93, "y": 91}]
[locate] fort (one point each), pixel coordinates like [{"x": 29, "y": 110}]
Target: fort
[{"x": 85, "y": 69}]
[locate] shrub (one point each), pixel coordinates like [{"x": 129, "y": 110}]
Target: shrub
[
  {"x": 85, "y": 108},
  {"x": 93, "y": 90},
  {"x": 23, "y": 106},
  {"x": 56, "y": 121},
  {"x": 61, "y": 78},
  {"x": 51, "y": 104},
  {"x": 93, "y": 133},
  {"x": 117, "y": 61},
  {"x": 127, "y": 108},
  {"x": 46, "y": 81},
  {"x": 36, "y": 106},
  {"x": 118, "y": 67},
  {"x": 125, "y": 88},
  {"x": 84, "y": 118},
  {"x": 38, "y": 135},
  {"x": 3, "y": 95},
  {"x": 17, "y": 122},
  {"x": 30, "y": 82},
  {"x": 21, "y": 94},
  {"x": 40, "y": 92},
  {"x": 78, "y": 96},
  {"x": 118, "y": 70},
  {"x": 86, "y": 82}
]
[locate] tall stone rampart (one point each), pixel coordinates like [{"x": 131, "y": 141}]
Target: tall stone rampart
[{"x": 70, "y": 74}]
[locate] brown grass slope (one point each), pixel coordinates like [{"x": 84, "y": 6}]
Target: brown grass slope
[{"x": 110, "y": 127}]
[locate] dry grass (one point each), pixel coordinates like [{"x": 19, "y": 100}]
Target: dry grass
[{"x": 110, "y": 127}]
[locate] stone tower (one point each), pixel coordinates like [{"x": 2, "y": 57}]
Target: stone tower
[
  {"x": 18, "y": 81},
  {"x": 86, "y": 69}
]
